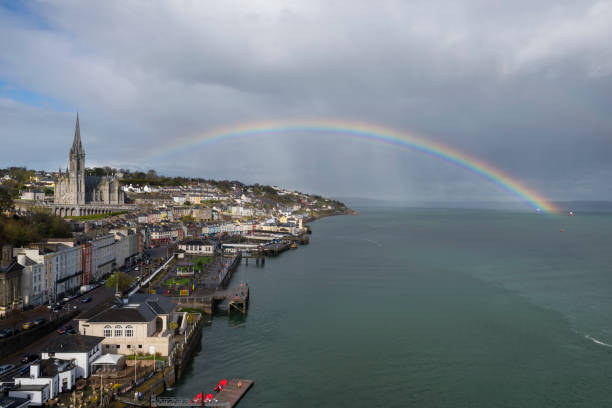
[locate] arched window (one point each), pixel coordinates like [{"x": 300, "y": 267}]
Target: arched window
[
  {"x": 108, "y": 331},
  {"x": 118, "y": 331},
  {"x": 129, "y": 331}
]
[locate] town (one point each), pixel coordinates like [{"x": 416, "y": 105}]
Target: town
[{"x": 106, "y": 276}]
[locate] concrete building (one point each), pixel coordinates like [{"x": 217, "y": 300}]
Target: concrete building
[
  {"x": 126, "y": 247},
  {"x": 197, "y": 247},
  {"x": 61, "y": 269},
  {"x": 32, "y": 283},
  {"x": 103, "y": 255},
  {"x": 59, "y": 375},
  {"x": 81, "y": 350},
  {"x": 141, "y": 326},
  {"x": 36, "y": 395},
  {"x": 10, "y": 282}
]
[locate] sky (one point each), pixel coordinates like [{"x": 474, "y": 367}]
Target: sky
[{"x": 524, "y": 86}]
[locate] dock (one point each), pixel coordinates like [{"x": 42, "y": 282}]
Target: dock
[
  {"x": 228, "y": 397},
  {"x": 237, "y": 299},
  {"x": 233, "y": 392}
]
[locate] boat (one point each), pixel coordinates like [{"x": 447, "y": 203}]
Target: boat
[
  {"x": 294, "y": 246},
  {"x": 221, "y": 384}
]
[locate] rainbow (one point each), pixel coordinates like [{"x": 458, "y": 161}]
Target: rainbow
[{"x": 372, "y": 133}]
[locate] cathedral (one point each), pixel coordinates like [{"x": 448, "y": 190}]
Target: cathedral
[{"x": 76, "y": 189}]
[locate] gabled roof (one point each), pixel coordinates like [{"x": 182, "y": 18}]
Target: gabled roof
[{"x": 141, "y": 308}]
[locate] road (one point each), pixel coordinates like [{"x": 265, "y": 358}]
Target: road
[{"x": 99, "y": 295}]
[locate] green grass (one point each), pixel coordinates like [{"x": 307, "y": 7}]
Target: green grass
[
  {"x": 177, "y": 281},
  {"x": 145, "y": 357},
  {"x": 201, "y": 261},
  {"x": 192, "y": 310},
  {"x": 95, "y": 216}
]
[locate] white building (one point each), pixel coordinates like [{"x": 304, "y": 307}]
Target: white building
[
  {"x": 126, "y": 246},
  {"x": 32, "y": 284},
  {"x": 37, "y": 395},
  {"x": 197, "y": 247},
  {"x": 61, "y": 269},
  {"x": 103, "y": 254},
  {"x": 81, "y": 350},
  {"x": 58, "y": 375}
]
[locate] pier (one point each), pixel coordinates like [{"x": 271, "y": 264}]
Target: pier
[
  {"x": 237, "y": 300},
  {"x": 233, "y": 392}
]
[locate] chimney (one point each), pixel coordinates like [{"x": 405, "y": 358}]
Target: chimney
[
  {"x": 7, "y": 256},
  {"x": 35, "y": 370}
]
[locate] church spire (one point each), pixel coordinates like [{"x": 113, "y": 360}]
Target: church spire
[{"x": 77, "y": 147}]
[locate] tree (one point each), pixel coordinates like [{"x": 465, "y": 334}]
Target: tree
[
  {"x": 6, "y": 200},
  {"x": 124, "y": 281}
]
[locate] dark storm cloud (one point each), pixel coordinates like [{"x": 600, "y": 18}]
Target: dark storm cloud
[{"x": 523, "y": 86}]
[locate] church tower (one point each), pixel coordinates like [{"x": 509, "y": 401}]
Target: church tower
[{"x": 77, "y": 167}]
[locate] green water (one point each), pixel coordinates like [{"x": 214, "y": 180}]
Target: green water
[{"x": 425, "y": 308}]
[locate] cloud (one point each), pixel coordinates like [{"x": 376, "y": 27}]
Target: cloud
[{"x": 524, "y": 86}]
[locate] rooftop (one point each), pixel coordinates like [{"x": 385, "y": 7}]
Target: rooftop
[{"x": 72, "y": 344}]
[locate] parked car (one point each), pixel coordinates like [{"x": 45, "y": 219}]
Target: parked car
[
  {"x": 27, "y": 325},
  {"x": 64, "y": 329},
  {"x": 28, "y": 358},
  {"x": 39, "y": 321},
  {"x": 86, "y": 299},
  {"x": 70, "y": 331},
  {"x": 5, "y": 368},
  {"x": 4, "y": 333}
]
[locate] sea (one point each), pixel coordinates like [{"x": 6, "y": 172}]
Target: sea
[{"x": 412, "y": 307}]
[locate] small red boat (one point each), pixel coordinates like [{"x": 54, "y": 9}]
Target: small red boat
[
  {"x": 221, "y": 384},
  {"x": 198, "y": 398}
]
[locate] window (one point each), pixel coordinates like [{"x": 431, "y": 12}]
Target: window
[
  {"x": 118, "y": 331},
  {"x": 140, "y": 346},
  {"x": 129, "y": 346},
  {"x": 129, "y": 331},
  {"x": 108, "y": 331}
]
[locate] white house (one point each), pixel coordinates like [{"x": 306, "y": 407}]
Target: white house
[
  {"x": 81, "y": 350},
  {"x": 32, "y": 285},
  {"x": 36, "y": 395},
  {"x": 197, "y": 247},
  {"x": 58, "y": 375},
  {"x": 103, "y": 250}
]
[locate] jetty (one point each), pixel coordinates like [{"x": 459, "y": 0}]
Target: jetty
[
  {"x": 233, "y": 392},
  {"x": 228, "y": 397},
  {"x": 237, "y": 300}
]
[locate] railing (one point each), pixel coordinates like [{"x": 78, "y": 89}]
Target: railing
[
  {"x": 185, "y": 402},
  {"x": 143, "y": 283}
]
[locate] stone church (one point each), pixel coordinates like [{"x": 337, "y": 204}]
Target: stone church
[{"x": 74, "y": 188}]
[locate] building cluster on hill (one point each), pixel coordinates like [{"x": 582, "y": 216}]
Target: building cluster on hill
[
  {"x": 44, "y": 272},
  {"x": 116, "y": 221}
]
